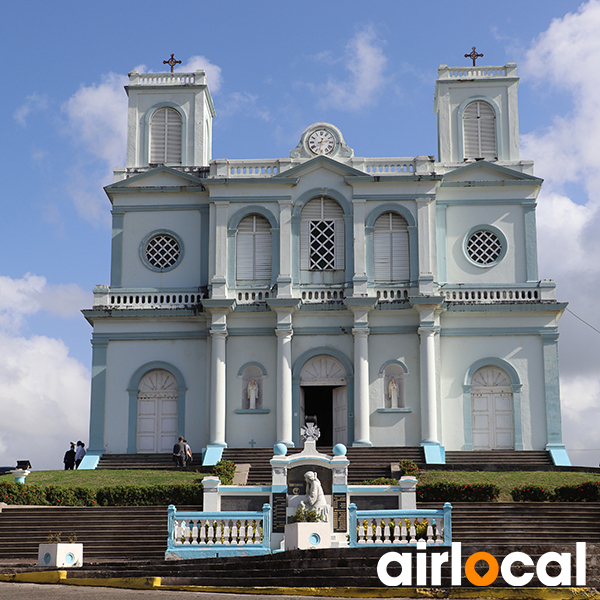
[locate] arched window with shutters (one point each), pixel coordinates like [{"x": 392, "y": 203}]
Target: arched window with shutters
[
  {"x": 390, "y": 248},
  {"x": 253, "y": 249},
  {"x": 479, "y": 131},
  {"x": 166, "y": 134},
  {"x": 322, "y": 235}
]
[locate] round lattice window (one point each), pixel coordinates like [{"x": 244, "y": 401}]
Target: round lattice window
[
  {"x": 484, "y": 247},
  {"x": 162, "y": 252}
]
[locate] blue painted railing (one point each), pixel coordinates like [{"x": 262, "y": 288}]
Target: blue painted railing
[
  {"x": 206, "y": 534},
  {"x": 400, "y": 527}
]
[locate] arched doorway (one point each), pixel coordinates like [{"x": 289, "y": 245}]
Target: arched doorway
[
  {"x": 492, "y": 410},
  {"x": 323, "y": 399},
  {"x": 157, "y": 412}
]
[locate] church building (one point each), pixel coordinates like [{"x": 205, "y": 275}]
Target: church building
[{"x": 393, "y": 301}]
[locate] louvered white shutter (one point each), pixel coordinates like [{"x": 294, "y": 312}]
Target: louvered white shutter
[
  {"x": 165, "y": 137},
  {"x": 390, "y": 249},
  {"x": 262, "y": 249},
  {"x": 479, "y": 131},
  {"x": 253, "y": 249}
]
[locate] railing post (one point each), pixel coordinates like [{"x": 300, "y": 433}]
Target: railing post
[
  {"x": 172, "y": 513},
  {"x": 447, "y": 523},
  {"x": 266, "y": 526},
  {"x": 352, "y": 524}
]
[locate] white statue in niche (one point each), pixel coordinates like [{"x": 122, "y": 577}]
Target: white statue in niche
[
  {"x": 393, "y": 393},
  {"x": 315, "y": 498},
  {"x": 252, "y": 392}
]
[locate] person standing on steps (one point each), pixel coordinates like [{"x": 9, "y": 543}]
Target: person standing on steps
[
  {"x": 179, "y": 453},
  {"x": 79, "y": 453},
  {"x": 69, "y": 458},
  {"x": 188, "y": 453}
]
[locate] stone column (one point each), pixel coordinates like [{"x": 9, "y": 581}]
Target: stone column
[
  {"x": 284, "y": 332},
  {"x": 218, "y": 370},
  {"x": 428, "y": 386},
  {"x": 426, "y": 245},
  {"x": 359, "y": 279},
  {"x": 284, "y": 279},
  {"x": 360, "y": 308}
]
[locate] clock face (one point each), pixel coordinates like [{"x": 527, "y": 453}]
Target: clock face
[{"x": 321, "y": 141}]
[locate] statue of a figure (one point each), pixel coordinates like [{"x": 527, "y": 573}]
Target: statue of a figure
[
  {"x": 315, "y": 498},
  {"x": 393, "y": 393},
  {"x": 252, "y": 394}
]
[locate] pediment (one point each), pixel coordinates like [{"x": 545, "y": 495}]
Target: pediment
[
  {"x": 483, "y": 171},
  {"x": 159, "y": 177},
  {"x": 321, "y": 162}
]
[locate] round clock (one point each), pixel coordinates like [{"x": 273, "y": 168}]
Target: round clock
[{"x": 321, "y": 141}]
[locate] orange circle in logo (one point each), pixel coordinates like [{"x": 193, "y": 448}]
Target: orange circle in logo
[{"x": 473, "y": 576}]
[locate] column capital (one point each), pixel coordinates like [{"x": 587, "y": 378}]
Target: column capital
[
  {"x": 360, "y": 331},
  {"x": 284, "y": 332},
  {"x": 428, "y": 330}
]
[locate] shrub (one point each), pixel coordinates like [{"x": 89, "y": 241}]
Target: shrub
[
  {"x": 457, "y": 492},
  {"x": 380, "y": 481},
  {"x": 17, "y": 493},
  {"x": 588, "y": 491},
  {"x": 531, "y": 493},
  {"x": 409, "y": 468},
  {"x": 306, "y": 515},
  {"x": 150, "y": 495},
  {"x": 225, "y": 470}
]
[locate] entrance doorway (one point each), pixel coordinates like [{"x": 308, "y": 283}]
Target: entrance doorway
[{"x": 323, "y": 398}]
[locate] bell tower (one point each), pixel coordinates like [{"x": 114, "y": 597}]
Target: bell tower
[
  {"x": 169, "y": 119},
  {"x": 477, "y": 114}
]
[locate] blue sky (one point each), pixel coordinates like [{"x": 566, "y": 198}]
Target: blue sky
[{"x": 274, "y": 68}]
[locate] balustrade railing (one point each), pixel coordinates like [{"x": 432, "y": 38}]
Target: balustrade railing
[
  {"x": 155, "y": 79},
  {"x": 400, "y": 527},
  {"x": 104, "y": 296},
  {"x": 219, "y": 533},
  {"x": 474, "y": 72},
  {"x": 252, "y": 296},
  {"x": 392, "y": 293},
  {"x": 320, "y": 294},
  {"x": 499, "y": 294}
]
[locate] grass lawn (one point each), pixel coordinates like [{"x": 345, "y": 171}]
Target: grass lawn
[{"x": 100, "y": 478}]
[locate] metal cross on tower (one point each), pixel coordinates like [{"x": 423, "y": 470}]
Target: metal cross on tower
[
  {"x": 172, "y": 62},
  {"x": 473, "y": 55}
]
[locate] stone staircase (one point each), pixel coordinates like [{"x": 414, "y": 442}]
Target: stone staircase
[
  {"x": 365, "y": 463},
  {"x": 107, "y": 533},
  {"x": 498, "y": 460},
  {"x": 130, "y": 542}
]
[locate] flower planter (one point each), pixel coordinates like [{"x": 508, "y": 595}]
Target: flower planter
[
  {"x": 307, "y": 536},
  {"x": 60, "y": 555}
]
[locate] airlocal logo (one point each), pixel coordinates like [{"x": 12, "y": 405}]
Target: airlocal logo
[{"x": 437, "y": 559}]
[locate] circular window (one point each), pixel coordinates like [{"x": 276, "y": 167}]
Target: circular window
[
  {"x": 485, "y": 247},
  {"x": 161, "y": 251}
]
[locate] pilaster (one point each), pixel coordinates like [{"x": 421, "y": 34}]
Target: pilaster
[
  {"x": 359, "y": 279},
  {"x": 284, "y": 279},
  {"x": 219, "y": 278},
  {"x": 425, "y": 221}
]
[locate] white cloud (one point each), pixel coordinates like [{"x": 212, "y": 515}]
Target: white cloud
[
  {"x": 245, "y": 103},
  {"x": 213, "y": 72},
  {"x": 33, "y": 103},
  {"x": 365, "y": 61},
  {"x": 44, "y": 393},
  {"x": 566, "y": 58}
]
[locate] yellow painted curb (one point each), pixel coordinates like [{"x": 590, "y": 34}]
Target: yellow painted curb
[
  {"x": 132, "y": 583},
  {"x": 39, "y": 577},
  {"x": 488, "y": 593}
]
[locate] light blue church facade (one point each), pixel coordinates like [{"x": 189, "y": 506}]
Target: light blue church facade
[{"x": 394, "y": 301}]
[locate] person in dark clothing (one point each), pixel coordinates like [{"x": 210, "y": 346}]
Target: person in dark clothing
[
  {"x": 179, "y": 453},
  {"x": 69, "y": 458}
]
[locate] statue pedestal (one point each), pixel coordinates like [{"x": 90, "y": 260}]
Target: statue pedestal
[{"x": 307, "y": 536}]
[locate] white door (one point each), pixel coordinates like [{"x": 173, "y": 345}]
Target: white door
[
  {"x": 340, "y": 416},
  {"x": 492, "y": 410},
  {"x": 157, "y": 413}
]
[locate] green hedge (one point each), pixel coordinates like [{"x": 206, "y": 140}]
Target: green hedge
[
  {"x": 121, "y": 495},
  {"x": 588, "y": 491},
  {"x": 457, "y": 492},
  {"x": 225, "y": 470},
  {"x": 531, "y": 493}
]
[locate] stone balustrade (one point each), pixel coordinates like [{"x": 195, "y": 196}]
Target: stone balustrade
[
  {"x": 542, "y": 291},
  {"x": 204, "y": 534},
  {"x": 477, "y": 72},
  {"x": 252, "y": 296},
  {"x": 167, "y": 79},
  {"x": 105, "y": 297},
  {"x": 400, "y": 527},
  {"x": 320, "y": 294}
]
